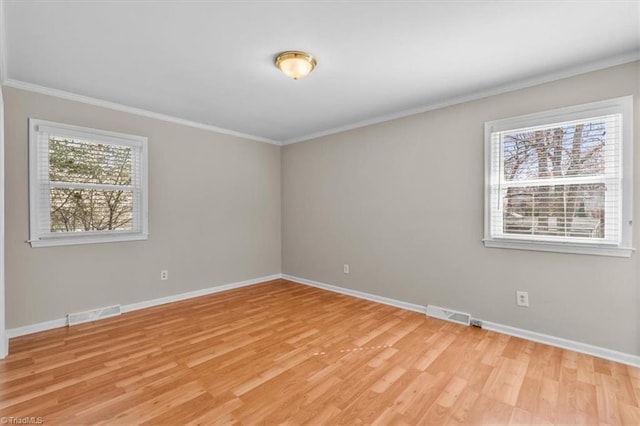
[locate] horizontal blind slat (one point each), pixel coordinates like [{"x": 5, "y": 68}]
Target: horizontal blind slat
[{"x": 558, "y": 182}]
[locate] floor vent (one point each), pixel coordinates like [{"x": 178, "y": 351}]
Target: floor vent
[
  {"x": 448, "y": 315},
  {"x": 93, "y": 315}
]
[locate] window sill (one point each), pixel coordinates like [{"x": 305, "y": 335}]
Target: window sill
[
  {"x": 597, "y": 250},
  {"x": 93, "y": 239}
]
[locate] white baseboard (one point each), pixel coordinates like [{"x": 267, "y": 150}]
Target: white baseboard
[
  {"x": 572, "y": 345},
  {"x": 612, "y": 355},
  {"x": 36, "y": 328},
  {"x": 5, "y": 346},
  {"x": 597, "y": 351},
  {"x": 62, "y": 322},
  {"x": 359, "y": 294},
  {"x": 196, "y": 293}
]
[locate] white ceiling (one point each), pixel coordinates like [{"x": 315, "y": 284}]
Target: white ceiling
[{"x": 211, "y": 62}]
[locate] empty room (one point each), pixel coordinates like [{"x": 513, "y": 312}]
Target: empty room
[{"x": 319, "y": 212}]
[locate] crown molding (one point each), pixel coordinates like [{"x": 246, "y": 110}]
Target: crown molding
[
  {"x": 16, "y": 84},
  {"x": 546, "y": 78},
  {"x": 523, "y": 84}
]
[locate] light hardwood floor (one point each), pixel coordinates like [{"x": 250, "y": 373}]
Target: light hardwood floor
[{"x": 280, "y": 352}]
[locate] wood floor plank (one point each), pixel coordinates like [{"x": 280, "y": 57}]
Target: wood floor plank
[{"x": 283, "y": 353}]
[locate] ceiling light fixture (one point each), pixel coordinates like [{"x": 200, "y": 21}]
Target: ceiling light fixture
[{"x": 295, "y": 64}]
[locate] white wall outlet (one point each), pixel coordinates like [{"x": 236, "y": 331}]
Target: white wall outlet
[
  {"x": 522, "y": 298},
  {"x": 164, "y": 275},
  {"x": 345, "y": 268}
]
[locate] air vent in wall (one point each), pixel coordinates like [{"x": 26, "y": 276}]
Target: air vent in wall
[
  {"x": 93, "y": 315},
  {"x": 448, "y": 315}
]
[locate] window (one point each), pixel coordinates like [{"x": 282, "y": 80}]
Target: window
[
  {"x": 86, "y": 185},
  {"x": 561, "y": 180}
]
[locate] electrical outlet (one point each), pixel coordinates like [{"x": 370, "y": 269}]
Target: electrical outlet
[
  {"x": 345, "y": 268},
  {"x": 522, "y": 298},
  {"x": 164, "y": 275}
]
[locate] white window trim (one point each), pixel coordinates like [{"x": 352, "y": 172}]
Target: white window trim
[
  {"x": 623, "y": 105},
  {"x": 65, "y": 239}
]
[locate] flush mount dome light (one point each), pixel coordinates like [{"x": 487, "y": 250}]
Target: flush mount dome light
[{"x": 295, "y": 64}]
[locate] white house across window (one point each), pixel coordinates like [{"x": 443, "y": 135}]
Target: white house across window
[
  {"x": 86, "y": 185},
  {"x": 561, "y": 180}
]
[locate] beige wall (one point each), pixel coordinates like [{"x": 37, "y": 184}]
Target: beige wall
[
  {"x": 214, "y": 217},
  {"x": 402, "y": 203}
]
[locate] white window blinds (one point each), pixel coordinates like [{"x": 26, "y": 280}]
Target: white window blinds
[
  {"x": 86, "y": 185},
  {"x": 560, "y": 179}
]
